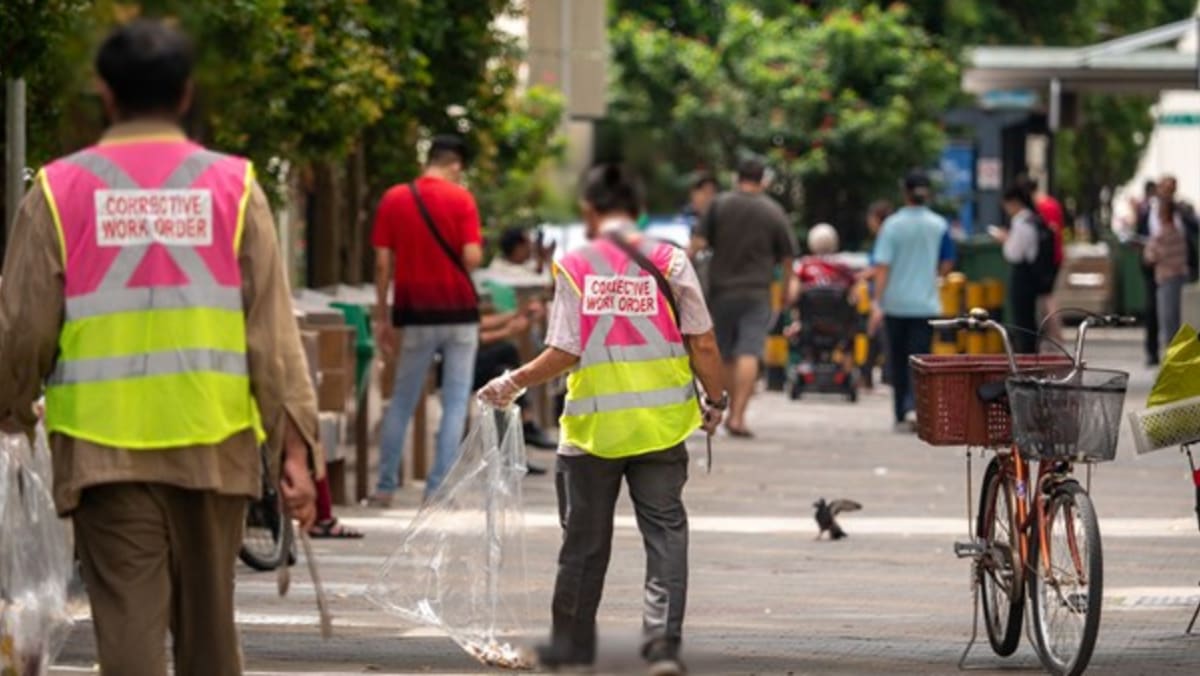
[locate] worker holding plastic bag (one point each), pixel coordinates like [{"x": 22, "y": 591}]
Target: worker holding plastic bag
[
  {"x": 35, "y": 560},
  {"x": 144, "y": 294},
  {"x": 460, "y": 566},
  {"x": 630, "y": 325}
]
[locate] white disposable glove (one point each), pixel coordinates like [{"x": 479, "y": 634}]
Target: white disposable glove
[{"x": 500, "y": 392}]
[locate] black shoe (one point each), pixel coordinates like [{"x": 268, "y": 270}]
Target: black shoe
[
  {"x": 662, "y": 659},
  {"x": 557, "y": 661},
  {"x": 535, "y": 470},
  {"x": 536, "y": 437},
  {"x": 1151, "y": 361}
]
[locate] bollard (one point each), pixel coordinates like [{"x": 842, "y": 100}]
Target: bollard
[
  {"x": 976, "y": 340},
  {"x": 862, "y": 341},
  {"x": 946, "y": 341},
  {"x": 993, "y": 296}
]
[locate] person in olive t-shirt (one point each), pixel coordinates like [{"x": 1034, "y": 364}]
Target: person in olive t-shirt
[{"x": 749, "y": 235}]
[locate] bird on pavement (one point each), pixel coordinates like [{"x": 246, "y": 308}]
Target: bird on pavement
[{"x": 826, "y": 513}]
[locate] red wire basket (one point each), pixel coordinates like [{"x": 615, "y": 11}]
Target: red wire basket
[{"x": 949, "y": 410}]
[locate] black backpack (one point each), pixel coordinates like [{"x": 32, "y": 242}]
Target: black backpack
[{"x": 1044, "y": 270}]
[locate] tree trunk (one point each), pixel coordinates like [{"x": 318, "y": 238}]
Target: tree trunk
[{"x": 326, "y": 231}]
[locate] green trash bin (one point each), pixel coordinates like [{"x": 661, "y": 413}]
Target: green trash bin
[{"x": 364, "y": 343}]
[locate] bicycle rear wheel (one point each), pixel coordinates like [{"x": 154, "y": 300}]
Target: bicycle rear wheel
[
  {"x": 997, "y": 571},
  {"x": 1068, "y": 592},
  {"x": 267, "y": 538}
]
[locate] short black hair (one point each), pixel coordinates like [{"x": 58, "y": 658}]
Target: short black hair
[
  {"x": 612, "y": 188},
  {"x": 751, "y": 170},
  {"x": 512, "y": 238},
  {"x": 1150, "y": 187},
  {"x": 147, "y": 65},
  {"x": 447, "y": 149},
  {"x": 917, "y": 186},
  {"x": 1019, "y": 192},
  {"x": 703, "y": 180}
]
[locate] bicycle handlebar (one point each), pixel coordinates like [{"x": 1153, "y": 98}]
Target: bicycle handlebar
[{"x": 978, "y": 320}]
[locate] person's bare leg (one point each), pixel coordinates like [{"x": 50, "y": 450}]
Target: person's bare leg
[{"x": 745, "y": 375}]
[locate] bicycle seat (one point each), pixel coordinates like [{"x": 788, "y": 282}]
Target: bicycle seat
[{"x": 992, "y": 392}]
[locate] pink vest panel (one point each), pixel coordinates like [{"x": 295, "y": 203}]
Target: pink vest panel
[
  {"x": 146, "y": 215},
  {"x": 614, "y": 262}
]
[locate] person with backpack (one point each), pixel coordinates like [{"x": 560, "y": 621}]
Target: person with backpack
[
  {"x": 630, "y": 325},
  {"x": 1028, "y": 246}
]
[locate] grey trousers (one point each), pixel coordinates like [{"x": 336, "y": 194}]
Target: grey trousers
[
  {"x": 1170, "y": 308},
  {"x": 588, "y": 487}
]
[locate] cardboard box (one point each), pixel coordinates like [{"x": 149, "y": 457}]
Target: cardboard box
[
  {"x": 335, "y": 347},
  {"x": 333, "y": 388}
]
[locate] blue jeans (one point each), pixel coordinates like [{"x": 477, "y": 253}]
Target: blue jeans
[{"x": 457, "y": 344}]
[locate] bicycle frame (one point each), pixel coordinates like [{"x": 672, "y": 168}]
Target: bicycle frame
[{"x": 1030, "y": 505}]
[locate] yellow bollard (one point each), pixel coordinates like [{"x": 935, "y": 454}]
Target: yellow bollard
[
  {"x": 862, "y": 342},
  {"x": 976, "y": 341},
  {"x": 946, "y": 341},
  {"x": 993, "y": 293}
]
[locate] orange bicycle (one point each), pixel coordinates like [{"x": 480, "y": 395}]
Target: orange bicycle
[{"x": 1035, "y": 536}]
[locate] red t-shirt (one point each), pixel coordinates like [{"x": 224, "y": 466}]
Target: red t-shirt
[
  {"x": 429, "y": 287},
  {"x": 1052, "y": 212}
]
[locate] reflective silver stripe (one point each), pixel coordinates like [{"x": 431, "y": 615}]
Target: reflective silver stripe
[
  {"x": 113, "y": 294},
  {"x": 636, "y": 353},
  {"x": 157, "y": 298},
  {"x": 109, "y": 173},
  {"x": 607, "y": 403},
  {"x": 151, "y": 364},
  {"x": 191, "y": 168}
]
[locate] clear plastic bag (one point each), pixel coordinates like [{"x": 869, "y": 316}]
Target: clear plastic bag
[
  {"x": 35, "y": 560},
  {"x": 460, "y": 566}
]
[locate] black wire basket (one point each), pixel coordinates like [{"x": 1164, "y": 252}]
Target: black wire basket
[{"x": 1076, "y": 419}]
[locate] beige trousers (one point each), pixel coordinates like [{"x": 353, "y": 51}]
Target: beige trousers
[{"x": 159, "y": 559}]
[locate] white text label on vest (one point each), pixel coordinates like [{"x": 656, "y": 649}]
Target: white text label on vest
[
  {"x": 622, "y": 296},
  {"x": 170, "y": 217}
]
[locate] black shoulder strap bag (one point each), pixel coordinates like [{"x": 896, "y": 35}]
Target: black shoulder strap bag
[
  {"x": 437, "y": 235},
  {"x": 665, "y": 288}
]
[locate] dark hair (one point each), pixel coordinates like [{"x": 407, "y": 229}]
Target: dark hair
[
  {"x": 917, "y": 187},
  {"x": 1019, "y": 192},
  {"x": 880, "y": 209},
  {"x": 703, "y": 180},
  {"x": 447, "y": 149},
  {"x": 146, "y": 64},
  {"x": 612, "y": 188},
  {"x": 512, "y": 238},
  {"x": 1149, "y": 187},
  {"x": 751, "y": 170}
]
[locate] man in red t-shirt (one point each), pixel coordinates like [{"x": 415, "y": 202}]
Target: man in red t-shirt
[
  {"x": 427, "y": 240},
  {"x": 1051, "y": 212}
]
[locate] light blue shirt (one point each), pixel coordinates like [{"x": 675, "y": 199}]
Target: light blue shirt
[{"x": 910, "y": 244}]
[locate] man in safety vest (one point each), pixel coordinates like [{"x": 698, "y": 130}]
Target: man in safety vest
[
  {"x": 631, "y": 346},
  {"x": 144, "y": 292}
]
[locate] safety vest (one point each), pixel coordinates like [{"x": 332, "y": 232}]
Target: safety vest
[
  {"x": 632, "y": 391},
  {"x": 152, "y": 353}
]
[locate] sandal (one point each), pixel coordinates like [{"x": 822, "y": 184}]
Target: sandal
[
  {"x": 739, "y": 432},
  {"x": 330, "y": 528}
]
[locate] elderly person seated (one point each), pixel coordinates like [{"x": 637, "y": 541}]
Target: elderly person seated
[{"x": 818, "y": 269}]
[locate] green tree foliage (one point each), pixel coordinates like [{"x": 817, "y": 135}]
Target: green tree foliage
[
  {"x": 311, "y": 82},
  {"x": 842, "y": 103}
]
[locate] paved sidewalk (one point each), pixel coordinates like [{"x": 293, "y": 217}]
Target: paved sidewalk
[{"x": 765, "y": 597}]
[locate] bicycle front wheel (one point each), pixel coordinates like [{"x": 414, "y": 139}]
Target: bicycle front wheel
[
  {"x": 999, "y": 576},
  {"x": 1066, "y": 586}
]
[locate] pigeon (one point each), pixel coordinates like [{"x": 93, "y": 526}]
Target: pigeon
[{"x": 826, "y": 513}]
